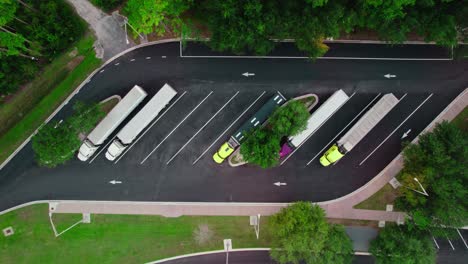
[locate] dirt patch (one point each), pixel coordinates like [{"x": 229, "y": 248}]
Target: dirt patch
[
  {"x": 203, "y": 234},
  {"x": 74, "y": 62}
]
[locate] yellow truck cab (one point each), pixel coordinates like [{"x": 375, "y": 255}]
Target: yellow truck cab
[
  {"x": 332, "y": 155},
  {"x": 224, "y": 151}
]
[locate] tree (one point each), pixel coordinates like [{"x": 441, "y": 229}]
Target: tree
[
  {"x": 290, "y": 119},
  {"x": 398, "y": 244},
  {"x": 438, "y": 161},
  {"x": 56, "y": 143},
  {"x": 148, "y": 16},
  {"x": 261, "y": 148},
  {"x": 301, "y": 233}
]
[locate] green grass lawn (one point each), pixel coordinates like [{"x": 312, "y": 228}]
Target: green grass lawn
[
  {"x": 119, "y": 238},
  {"x": 31, "y": 106},
  {"x": 461, "y": 120},
  {"x": 380, "y": 199}
]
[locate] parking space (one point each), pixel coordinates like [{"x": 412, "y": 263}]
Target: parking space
[{"x": 455, "y": 242}]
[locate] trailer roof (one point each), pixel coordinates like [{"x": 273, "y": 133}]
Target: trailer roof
[{"x": 117, "y": 115}]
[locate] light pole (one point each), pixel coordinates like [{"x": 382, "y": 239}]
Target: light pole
[{"x": 424, "y": 190}]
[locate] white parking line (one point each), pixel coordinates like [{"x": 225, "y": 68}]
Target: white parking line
[
  {"x": 117, "y": 64},
  {"x": 163, "y": 57},
  {"x": 207, "y": 122},
  {"x": 406, "y": 119},
  {"x": 296, "y": 149},
  {"x": 148, "y": 128},
  {"x": 435, "y": 242},
  {"x": 187, "y": 116},
  {"x": 132, "y": 60},
  {"x": 359, "y": 114},
  {"x": 463, "y": 239},
  {"x": 95, "y": 156},
  {"x": 101, "y": 71},
  {"x": 148, "y": 58},
  {"x": 232, "y": 123},
  {"x": 450, "y": 242}
]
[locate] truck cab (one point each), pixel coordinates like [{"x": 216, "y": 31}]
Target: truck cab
[
  {"x": 87, "y": 149},
  {"x": 332, "y": 155},
  {"x": 224, "y": 151},
  {"x": 115, "y": 149}
]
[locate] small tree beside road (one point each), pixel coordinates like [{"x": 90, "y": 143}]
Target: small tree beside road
[
  {"x": 300, "y": 232},
  {"x": 438, "y": 163},
  {"x": 55, "y": 143},
  {"x": 398, "y": 244},
  {"x": 262, "y": 146}
]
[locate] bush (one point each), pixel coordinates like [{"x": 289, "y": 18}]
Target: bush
[
  {"x": 107, "y": 5},
  {"x": 56, "y": 143}
]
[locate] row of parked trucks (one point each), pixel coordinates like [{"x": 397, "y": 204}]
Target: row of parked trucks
[
  {"x": 164, "y": 96},
  {"x": 345, "y": 144},
  {"x": 133, "y": 128}
]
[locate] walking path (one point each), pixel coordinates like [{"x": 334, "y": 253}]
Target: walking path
[
  {"x": 338, "y": 208},
  {"x": 107, "y": 28}
]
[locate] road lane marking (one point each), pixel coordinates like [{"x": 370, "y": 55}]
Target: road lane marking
[
  {"x": 148, "y": 58},
  {"x": 180, "y": 123},
  {"x": 296, "y": 149},
  {"x": 224, "y": 132},
  {"x": 101, "y": 71},
  {"x": 207, "y": 122},
  {"x": 148, "y": 128},
  {"x": 406, "y": 119},
  {"x": 132, "y": 60},
  {"x": 463, "y": 239},
  {"x": 117, "y": 64},
  {"x": 163, "y": 57},
  {"x": 364, "y": 109},
  {"x": 95, "y": 156}
]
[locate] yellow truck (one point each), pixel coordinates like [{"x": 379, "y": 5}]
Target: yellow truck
[{"x": 365, "y": 124}]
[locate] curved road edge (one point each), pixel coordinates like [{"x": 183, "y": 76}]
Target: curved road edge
[
  {"x": 223, "y": 251},
  {"x": 77, "y": 90}
]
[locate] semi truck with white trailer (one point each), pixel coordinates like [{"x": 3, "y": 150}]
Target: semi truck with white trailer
[
  {"x": 112, "y": 120},
  {"x": 256, "y": 120},
  {"x": 318, "y": 118},
  {"x": 141, "y": 120},
  {"x": 365, "y": 124}
]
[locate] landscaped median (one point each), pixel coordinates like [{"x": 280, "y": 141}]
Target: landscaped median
[{"x": 54, "y": 85}]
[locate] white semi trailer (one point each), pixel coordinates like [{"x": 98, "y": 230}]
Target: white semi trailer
[
  {"x": 320, "y": 116},
  {"x": 141, "y": 120},
  {"x": 365, "y": 124},
  {"x": 112, "y": 120}
]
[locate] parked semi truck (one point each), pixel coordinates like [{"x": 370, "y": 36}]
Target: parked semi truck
[
  {"x": 141, "y": 120},
  {"x": 316, "y": 120},
  {"x": 112, "y": 120},
  {"x": 365, "y": 124},
  {"x": 256, "y": 120}
]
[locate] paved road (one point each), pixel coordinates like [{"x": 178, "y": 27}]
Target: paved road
[{"x": 424, "y": 87}]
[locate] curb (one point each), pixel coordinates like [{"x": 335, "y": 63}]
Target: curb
[{"x": 358, "y": 253}]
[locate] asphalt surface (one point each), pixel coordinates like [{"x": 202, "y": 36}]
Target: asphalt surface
[{"x": 424, "y": 87}]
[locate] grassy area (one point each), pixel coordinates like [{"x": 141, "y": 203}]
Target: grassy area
[
  {"x": 119, "y": 238},
  {"x": 30, "y": 107},
  {"x": 461, "y": 120},
  {"x": 380, "y": 199}
]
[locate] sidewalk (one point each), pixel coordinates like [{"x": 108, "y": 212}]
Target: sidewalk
[
  {"x": 338, "y": 208},
  {"x": 110, "y": 33}
]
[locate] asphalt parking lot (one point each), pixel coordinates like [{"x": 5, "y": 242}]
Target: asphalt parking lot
[{"x": 173, "y": 160}]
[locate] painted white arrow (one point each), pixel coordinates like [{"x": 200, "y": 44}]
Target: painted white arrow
[
  {"x": 388, "y": 76},
  {"x": 115, "y": 182},
  {"x": 247, "y": 74},
  {"x": 280, "y": 183},
  {"x": 406, "y": 134}
]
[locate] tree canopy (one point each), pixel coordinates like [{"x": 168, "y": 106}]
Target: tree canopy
[
  {"x": 438, "y": 162},
  {"x": 300, "y": 232},
  {"x": 262, "y": 145},
  {"x": 398, "y": 244},
  {"x": 55, "y": 143}
]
